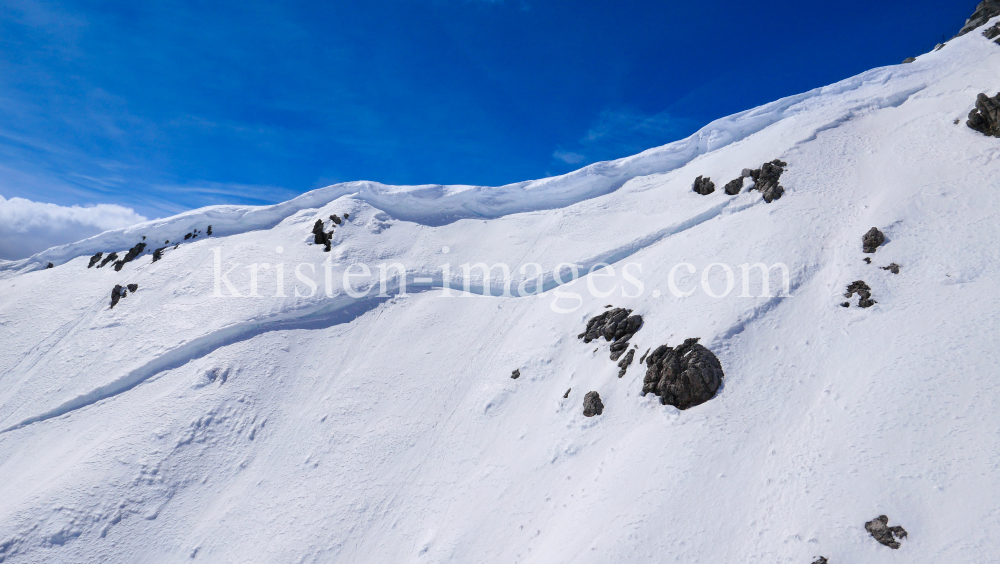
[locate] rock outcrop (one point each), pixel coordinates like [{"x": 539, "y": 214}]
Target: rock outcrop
[
  {"x": 49, "y": 266},
  {"x": 624, "y": 363},
  {"x": 861, "y": 289},
  {"x": 158, "y": 254},
  {"x": 872, "y": 240},
  {"x": 993, "y": 32},
  {"x": 592, "y": 404},
  {"x": 94, "y": 259},
  {"x": 704, "y": 185},
  {"x": 878, "y": 527},
  {"x": 119, "y": 292},
  {"x": 515, "y": 374},
  {"x": 734, "y": 187},
  {"x": 985, "y": 11},
  {"x": 766, "y": 180},
  {"x": 130, "y": 255},
  {"x": 614, "y": 325},
  {"x": 107, "y": 259},
  {"x": 683, "y": 376},
  {"x": 893, "y": 268},
  {"x": 985, "y": 117},
  {"x": 820, "y": 560},
  {"x": 321, "y": 237}
]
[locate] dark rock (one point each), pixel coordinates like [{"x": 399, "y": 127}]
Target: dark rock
[
  {"x": 94, "y": 259},
  {"x": 607, "y": 306},
  {"x": 820, "y": 560},
  {"x": 566, "y": 395},
  {"x": 704, "y": 185},
  {"x": 158, "y": 254},
  {"x": 863, "y": 290},
  {"x": 684, "y": 376},
  {"x": 845, "y": 304},
  {"x": 188, "y": 236},
  {"x": 872, "y": 240},
  {"x": 209, "y": 230},
  {"x": 49, "y": 266},
  {"x": 347, "y": 215},
  {"x": 177, "y": 245},
  {"x": 319, "y": 236},
  {"x": 108, "y": 259},
  {"x": 643, "y": 359},
  {"x": 766, "y": 180},
  {"x": 335, "y": 219},
  {"x": 130, "y": 255},
  {"x": 132, "y": 287},
  {"x": 985, "y": 117},
  {"x": 893, "y": 268},
  {"x": 985, "y": 11},
  {"x": 515, "y": 374},
  {"x": 117, "y": 293},
  {"x": 909, "y": 60},
  {"x": 143, "y": 237},
  {"x": 868, "y": 260},
  {"x": 614, "y": 325},
  {"x": 733, "y": 187},
  {"x": 592, "y": 404},
  {"x": 992, "y": 32},
  {"x": 883, "y": 533},
  {"x": 625, "y": 362}
]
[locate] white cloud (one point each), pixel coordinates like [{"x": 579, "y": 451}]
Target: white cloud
[
  {"x": 568, "y": 157},
  {"x": 27, "y": 227}
]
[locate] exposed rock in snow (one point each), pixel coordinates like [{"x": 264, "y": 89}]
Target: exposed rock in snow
[
  {"x": 516, "y": 374},
  {"x": 209, "y": 230},
  {"x": 909, "y": 60},
  {"x": 878, "y": 527},
  {"x": 130, "y": 255},
  {"x": 985, "y": 11},
  {"x": 820, "y": 560},
  {"x": 592, "y": 404},
  {"x": 108, "y": 259},
  {"x": 94, "y": 259},
  {"x": 893, "y": 268},
  {"x": 684, "y": 376},
  {"x": 704, "y": 185},
  {"x": 624, "y": 363},
  {"x": 614, "y": 325},
  {"x": 566, "y": 395},
  {"x": 158, "y": 254},
  {"x": 50, "y": 265},
  {"x": 766, "y": 179},
  {"x": 872, "y": 240},
  {"x": 861, "y": 289},
  {"x": 992, "y": 32},
  {"x": 321, "y": 237},
  {"x": 334, "y": 218},
  {"x": 117, "y": 293},
  {"x": 985, "y": 117},
  {"x": 733, "y": 187}
]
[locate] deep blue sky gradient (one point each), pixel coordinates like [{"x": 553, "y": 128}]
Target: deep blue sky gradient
[{"x": 165, "y": 106}]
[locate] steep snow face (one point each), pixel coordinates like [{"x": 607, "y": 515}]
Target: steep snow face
[{"x": 181, "y": 426}]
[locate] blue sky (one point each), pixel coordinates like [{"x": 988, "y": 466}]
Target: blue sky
[{"x": 166, "y": 106}]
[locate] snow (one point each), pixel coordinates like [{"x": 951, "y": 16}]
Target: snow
[{"x": 180, "y": 426}]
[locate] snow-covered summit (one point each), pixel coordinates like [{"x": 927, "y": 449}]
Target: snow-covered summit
[{"x": 253, "y": 398}]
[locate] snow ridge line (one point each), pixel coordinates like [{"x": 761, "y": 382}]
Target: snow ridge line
[
  {"x": 435, "y": 205},
  {"x": 343, "y": 310}
]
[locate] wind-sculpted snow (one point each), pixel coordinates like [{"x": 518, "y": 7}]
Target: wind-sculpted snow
[{"x": 436, "y": 205}]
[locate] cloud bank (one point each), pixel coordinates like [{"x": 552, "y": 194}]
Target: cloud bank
[{"x": 28, "y": 227}]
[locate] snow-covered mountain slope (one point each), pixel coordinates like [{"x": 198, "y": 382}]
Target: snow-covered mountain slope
[{"x": 182, "y": 426}]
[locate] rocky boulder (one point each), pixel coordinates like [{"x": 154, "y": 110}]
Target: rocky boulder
[
  {"x": 94, "y": 259},
  {"x": 766, "y": 180},
  {"x": 683, "y": 376},
  {"x": 130, "y": 255},
  {"x": 704, "y": 186},
  {"x": 624, "y": 363},
  {"x": 861, "y": 289},
  {"x": 985, "y": 117},
  {"x": 879, "y": 529},
  {"x": 872, "y": 240},
  {"x": 614, "y": 325},
  {"x": 592, "y": 404}
]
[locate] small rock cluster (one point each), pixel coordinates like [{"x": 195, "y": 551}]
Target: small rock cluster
[
  {"x": 592, "y": 404},
  {"x": 861, "y": 289},
  {"x": 515, "y": 374},
  {"x": 765, "y": 180},
  {"x": 893, "y": 268},
  {"x": 985, "y": 117},
  {"x": 821, "y": 560},
  {"x": 993, "y": 32},
  {"x": 130, "y": 256},
  {"x": 878, "y": 527},
  {"x": 615, "y": 325},
  {"x": 323, "y": 237},
  {"x": 624, "y": 363},
  {"x": 683, "y": 376},
  {"x": 119, "y": 292},
  {"x": 703, "y": 185}
]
